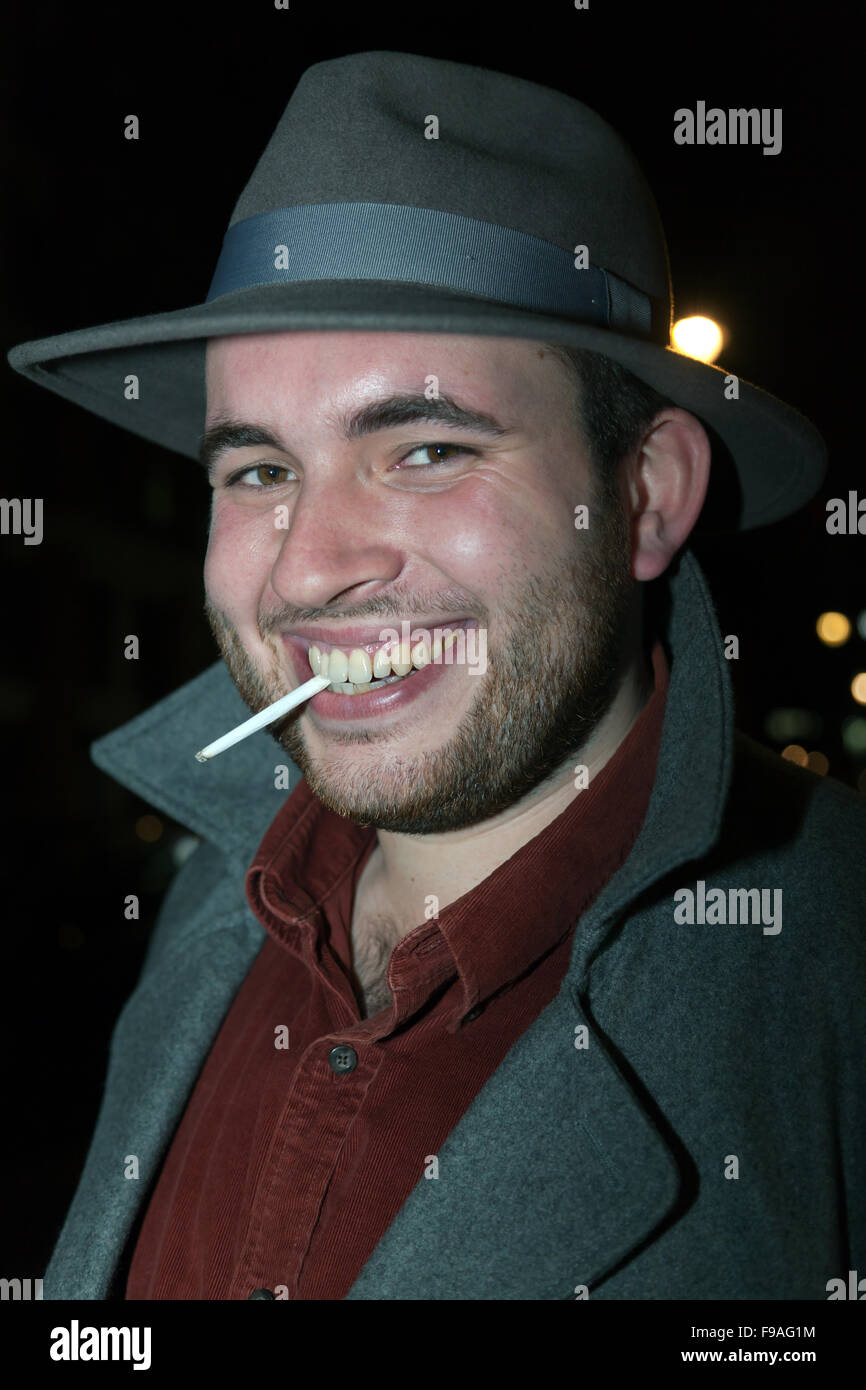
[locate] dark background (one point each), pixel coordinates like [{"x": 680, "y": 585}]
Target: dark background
[{"x": 99, "y": 228}]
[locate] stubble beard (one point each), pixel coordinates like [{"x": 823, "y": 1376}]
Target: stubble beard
[{"x": 547, "y": 686}]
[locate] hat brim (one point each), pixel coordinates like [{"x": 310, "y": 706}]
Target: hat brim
[{"x": 776, "y": 459}]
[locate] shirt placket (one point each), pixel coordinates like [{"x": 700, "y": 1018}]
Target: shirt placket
[{"x": 327, "y": 1093}]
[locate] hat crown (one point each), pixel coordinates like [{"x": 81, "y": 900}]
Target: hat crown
[{"x": 509, "y": 152}]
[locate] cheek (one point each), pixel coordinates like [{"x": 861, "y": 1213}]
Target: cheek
[
  {"x": 237, "y": 562},
  {"x": 496, "y": 527}
]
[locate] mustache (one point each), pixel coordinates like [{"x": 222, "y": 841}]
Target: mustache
[{"x": 383, "y": 610}]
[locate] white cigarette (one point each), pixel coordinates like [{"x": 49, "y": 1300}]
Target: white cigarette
[{"x": 267, "y": 716}]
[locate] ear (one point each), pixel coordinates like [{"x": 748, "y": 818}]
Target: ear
[{"x": 666, "y": 483}]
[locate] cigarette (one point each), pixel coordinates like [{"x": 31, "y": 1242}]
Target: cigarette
[{"x": 266, "y": 716}]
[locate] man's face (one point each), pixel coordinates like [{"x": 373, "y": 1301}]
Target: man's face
[{"x": 328, "y": 532}]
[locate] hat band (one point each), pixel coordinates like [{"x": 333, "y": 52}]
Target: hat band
[{"x": 423, "y": 246}]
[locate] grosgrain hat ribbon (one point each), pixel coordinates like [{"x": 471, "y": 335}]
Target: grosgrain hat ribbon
[{"x": 374, "y": 241}]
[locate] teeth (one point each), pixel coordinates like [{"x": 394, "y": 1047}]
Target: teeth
[
  {"x": 401, "y": 659},
  {"x": 420, "y": 656},
  {"x": 352, "y": 674},
  {"x": 338, "y": 665},
  {"x": 381, "y": 664},
  {"x": 349, "y": 688},
  {"x": 360, "y": 670}
]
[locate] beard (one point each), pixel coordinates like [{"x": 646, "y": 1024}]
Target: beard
[{"x": 549, "y": 682}]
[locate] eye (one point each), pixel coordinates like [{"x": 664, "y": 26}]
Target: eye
[
  {"x": 436, "y": 463},
  {"x": 263, "y": 472}
]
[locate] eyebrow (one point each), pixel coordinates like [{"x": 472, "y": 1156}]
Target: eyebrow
[{"x": 389, "y": 412}]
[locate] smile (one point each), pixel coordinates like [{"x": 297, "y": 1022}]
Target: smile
[
  {"x": 372, "y": 678},
  {"x": 364, "y": 669}
]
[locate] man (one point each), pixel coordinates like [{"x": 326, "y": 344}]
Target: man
[{"x": 531, "y": 987}]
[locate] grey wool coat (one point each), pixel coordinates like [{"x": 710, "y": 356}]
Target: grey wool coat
[{"x": 707, "y": 1141}]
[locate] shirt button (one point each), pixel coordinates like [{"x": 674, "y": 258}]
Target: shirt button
[
  {"x": 343, "y": 1058},
  {"x": 263, "y": 1293}
]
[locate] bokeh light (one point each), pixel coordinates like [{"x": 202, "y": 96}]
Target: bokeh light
[
  {"x": 833, "y": 629},
  {"x": 854, "y": 734},
  {"x": 858, "y": 687},
  {"x": 698, "y": 337},
  {"x": 795, "y": 754},
  {"x": 148, "y": 828},
  {"x": 783, "y": 724}
]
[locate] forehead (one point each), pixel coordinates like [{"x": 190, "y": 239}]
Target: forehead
[{"x": 264, "y": 371}]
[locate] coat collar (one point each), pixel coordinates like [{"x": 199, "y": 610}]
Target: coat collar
[
  {"x": 695, "y": 760},
  {"x": 230, "y": 801}
]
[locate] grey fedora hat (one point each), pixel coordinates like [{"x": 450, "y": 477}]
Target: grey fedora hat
[{"x": 406, "y": 193}]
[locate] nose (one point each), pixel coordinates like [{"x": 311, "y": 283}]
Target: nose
[{"x": 340, "y": 536}]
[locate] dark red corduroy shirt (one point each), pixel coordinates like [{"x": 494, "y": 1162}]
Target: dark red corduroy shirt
[{"x": 287, "y": 1169}]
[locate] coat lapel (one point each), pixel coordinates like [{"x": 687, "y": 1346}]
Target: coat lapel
[
  {"x": 552, "y": 1175},
  {"x": 166, "y": 1029},
  {"x": 161, "y": 1040}
]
